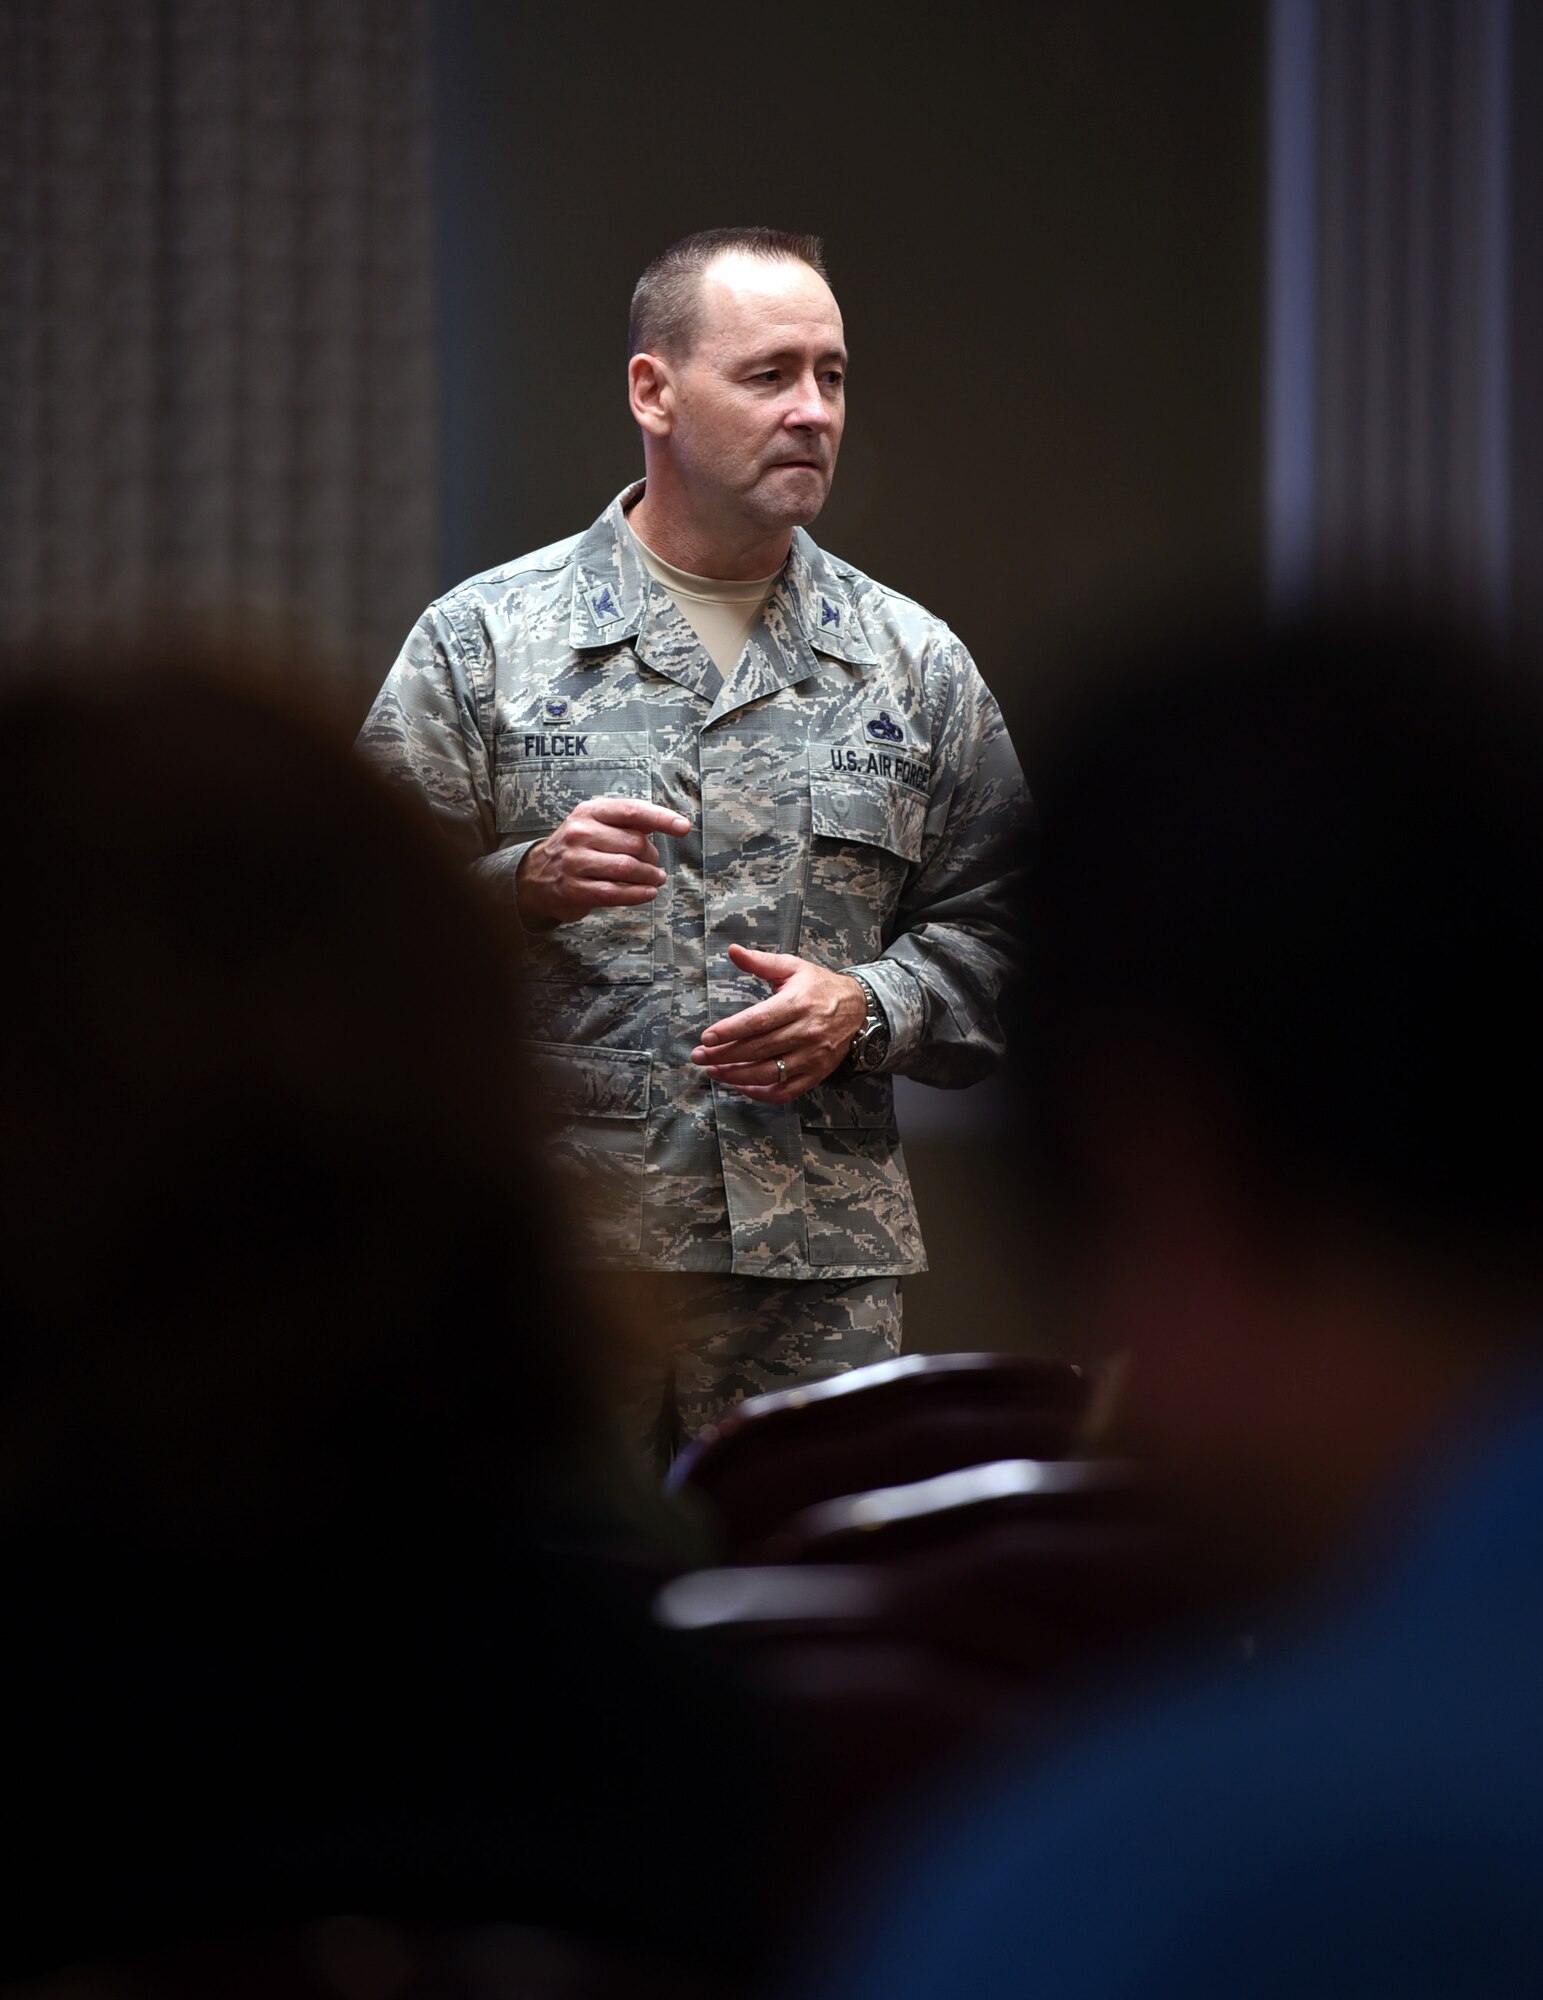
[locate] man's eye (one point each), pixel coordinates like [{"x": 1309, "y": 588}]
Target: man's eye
[
  {"x": 835, "y": 378},
  {"x": 769, "y": 375}
]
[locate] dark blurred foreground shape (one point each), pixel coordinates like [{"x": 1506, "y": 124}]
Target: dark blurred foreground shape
[
  {"x": 1282, "y": 1091},
  {"x": 323, "y": 1599},
  {"x": 330, "y": 1665}
]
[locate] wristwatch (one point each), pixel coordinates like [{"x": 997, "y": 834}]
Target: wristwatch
[{"x": 870, "y": 1045}]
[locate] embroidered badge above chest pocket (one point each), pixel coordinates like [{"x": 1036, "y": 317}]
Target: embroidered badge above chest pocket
[{"x": 868, "y": 795}]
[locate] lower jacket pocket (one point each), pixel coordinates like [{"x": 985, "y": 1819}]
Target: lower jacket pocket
[{"x": 597, "y": 1100}]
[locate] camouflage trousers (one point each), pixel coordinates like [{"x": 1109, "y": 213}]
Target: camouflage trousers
[{"x": 726, "y": 1338}]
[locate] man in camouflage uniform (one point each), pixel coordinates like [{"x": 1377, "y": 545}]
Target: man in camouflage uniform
[{"x": 759, "y": 868}]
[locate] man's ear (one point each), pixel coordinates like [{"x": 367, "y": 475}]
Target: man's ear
[{"x": 651, "y": 391}]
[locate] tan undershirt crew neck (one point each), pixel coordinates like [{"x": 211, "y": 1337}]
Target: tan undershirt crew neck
[{"x": 722, "y": 614}]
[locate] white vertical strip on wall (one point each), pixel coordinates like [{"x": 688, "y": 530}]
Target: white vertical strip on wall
[
  {"x": 1495, "y": 371},
  {"x": 1291, "y": 374}
]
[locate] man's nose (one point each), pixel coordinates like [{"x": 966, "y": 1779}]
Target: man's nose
[{"x": 809, "y": 410}]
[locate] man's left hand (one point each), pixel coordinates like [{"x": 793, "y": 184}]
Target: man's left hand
[{"x": 808, "y": 1022}]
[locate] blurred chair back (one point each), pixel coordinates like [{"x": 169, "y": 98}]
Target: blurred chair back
[
  {"x": 890, "y": 1424},
  {"x": 900, "y": 1520}
]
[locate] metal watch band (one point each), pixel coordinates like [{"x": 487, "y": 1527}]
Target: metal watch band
[{"x": 870, "y": 1044}]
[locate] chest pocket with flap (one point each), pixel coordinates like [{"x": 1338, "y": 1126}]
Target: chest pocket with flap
[
  {"x": 544, "y": 772},
  {"x": 867, "y": 826}
]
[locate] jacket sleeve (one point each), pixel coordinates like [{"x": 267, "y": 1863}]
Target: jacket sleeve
[
  {"x": 427, "y": 730},
  {"x": 941, "y": 976}
]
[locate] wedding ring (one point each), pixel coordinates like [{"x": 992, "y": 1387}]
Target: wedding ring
[{"x": 782, "y": 1071}]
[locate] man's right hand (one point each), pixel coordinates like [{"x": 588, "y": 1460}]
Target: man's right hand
[{"x": 599, "y": 858}]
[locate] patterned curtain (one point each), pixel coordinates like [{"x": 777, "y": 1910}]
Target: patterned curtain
[{"x": 217, "y": 333}]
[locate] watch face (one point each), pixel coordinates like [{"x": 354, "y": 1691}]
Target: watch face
[{"x": 870, "y": 1045}]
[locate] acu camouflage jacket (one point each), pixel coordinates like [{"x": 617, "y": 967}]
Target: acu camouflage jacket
[{"x": 854, "y": 799}]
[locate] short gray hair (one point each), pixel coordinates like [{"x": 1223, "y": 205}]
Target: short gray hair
[{"x": 667, "y": 299}]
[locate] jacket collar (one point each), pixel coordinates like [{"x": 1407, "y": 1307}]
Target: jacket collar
[
  {"x": 610, "y": 584},
  {"x": 811, "y": 611},
  {"x": 821, "y": 599}
]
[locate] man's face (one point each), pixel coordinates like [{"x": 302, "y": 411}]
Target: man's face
[{"x": 759, "y": 403}]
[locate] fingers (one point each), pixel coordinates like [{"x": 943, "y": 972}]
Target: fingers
[
  {"x": 614, "y": 827},
  {"x": 765, "y": 1082},
  {"x": 614, "y": 895},
  {"x": 766, "y": 1017},
  {"x": 639, "y": 816},
  {"x": 752, "y": 1049},
  {"x": 590, "y": 866},
  {"x": 606, "y": 840},
  {"x": 600, "y": 857},
  {"x": 778, "y": 965}
]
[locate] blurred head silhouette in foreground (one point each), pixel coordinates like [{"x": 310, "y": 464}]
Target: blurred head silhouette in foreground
[
  {"x": 1283, "y": 1096},
  {"x": 1281, "y": 1047},
  {"x": 301, "y": 1497},
  {"x": 260, "y": 1049}
]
